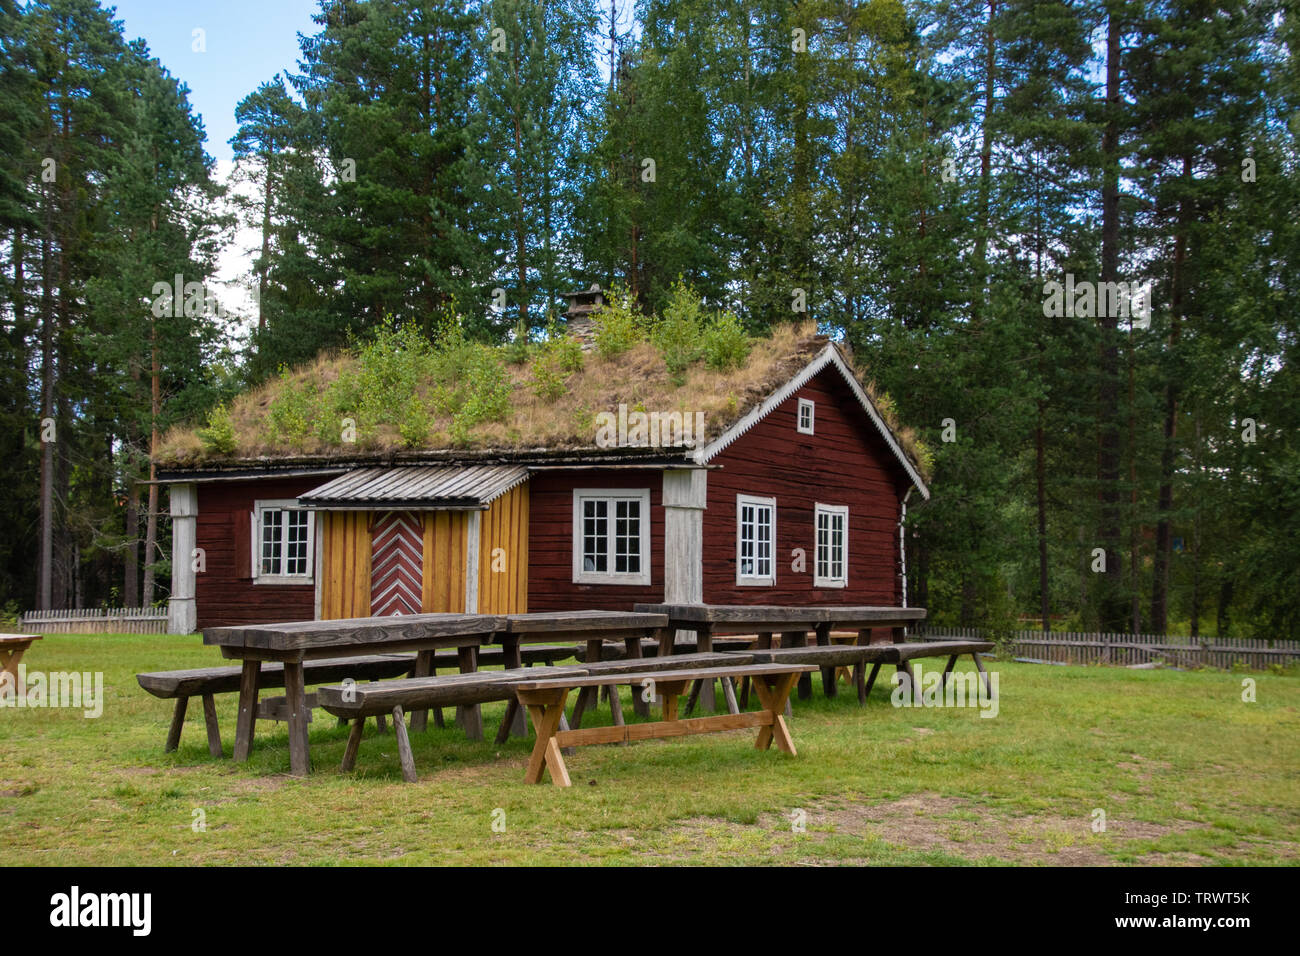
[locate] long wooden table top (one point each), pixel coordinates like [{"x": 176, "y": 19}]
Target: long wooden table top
[
  {"x": 764, "y": 617},
  {"x": 574, "y": 622},
  {"x": 352, "y": 633}
]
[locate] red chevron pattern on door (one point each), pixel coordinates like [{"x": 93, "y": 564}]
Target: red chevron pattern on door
[{"x": 396, "y": 563}]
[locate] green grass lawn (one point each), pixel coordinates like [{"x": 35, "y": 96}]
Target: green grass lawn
[{"x": 1184, "y": 770}]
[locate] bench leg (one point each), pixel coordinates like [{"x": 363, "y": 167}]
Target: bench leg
[
  {"x": 744, "y": 692},
  {"x": 246, "y": 722},
  {"x": 729, "y": 692},
  {"x": 178, "y": 721},
  {"x": 979, "y": 666},
  {"x": 859, "y": 681},
  {"x": 471, "y": 715},
  {"x": 774, "y": 696},
  {"x": 564, "y": 725},
  {"x": 704, "y": 689},
  {"x": 633, "y": 648},
  {"x": 830, "y": 678},
  {"x": 943, "y": 681},
  {"x": 513, "y": 658},
  {"x": 381, "y": 722},
  {"x": 546, "y": 752},
  {"x": 695, "y": 695},
  {"x": 354, "y": 741},
  {"x": 423, "y": 667},
  {"x": 214, "y": 729},
  {"x": 295, "y": 694},
  {"x": 799, "y": 639},
  {"x": 580, "y": 704},
  {"x": 616, "y": 705},
  {"x": 507, "y": 722},
  {"x": 403, "y": 746},
  {"x": 871, "y": 681},
  {"x": 670, "y": 706}
]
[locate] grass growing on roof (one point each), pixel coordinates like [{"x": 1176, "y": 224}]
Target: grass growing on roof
[
  {"x": 400, "y": 392},
  {"x": 1185, "y": 771}
]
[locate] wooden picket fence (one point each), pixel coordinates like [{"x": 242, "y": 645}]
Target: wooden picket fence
[
  {"x": 111, "y": 620},
  {"x": 1070, "y": 647}
]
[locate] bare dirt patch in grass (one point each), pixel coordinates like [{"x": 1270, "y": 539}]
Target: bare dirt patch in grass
[{"x": 927, "y": 822}]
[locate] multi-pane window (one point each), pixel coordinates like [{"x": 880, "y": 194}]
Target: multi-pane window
[
  {"x": 283, "y": 548},
  {"x": 832, "y": 546},
  {"x": 755, "y": 537},
  {"x": 611, "y": 537},
  {"x": 806, "y": 411}
]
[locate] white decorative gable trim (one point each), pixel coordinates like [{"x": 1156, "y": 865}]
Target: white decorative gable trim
[{"x": 829, "y": 356}]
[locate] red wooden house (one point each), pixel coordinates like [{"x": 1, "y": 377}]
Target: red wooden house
[{"x": 799, "y": 499}]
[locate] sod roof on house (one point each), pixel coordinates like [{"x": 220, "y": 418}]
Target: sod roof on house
[{"x": 349, "y": 407}]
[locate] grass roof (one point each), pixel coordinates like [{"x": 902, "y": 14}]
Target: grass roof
[{"x": 401, "y": 397}]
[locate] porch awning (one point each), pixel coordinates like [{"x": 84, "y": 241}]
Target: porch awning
[{"x": 417, "y": 488}]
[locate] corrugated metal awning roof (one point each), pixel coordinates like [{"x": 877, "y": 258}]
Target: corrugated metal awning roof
[{"x": 433, "y": 487}]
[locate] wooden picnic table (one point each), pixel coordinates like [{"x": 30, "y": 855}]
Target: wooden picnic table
[
  {"x": 12, "y": 649},
  {"x": 595, "y": 628},
  {"x": 792, "y": 623},
  {"x": 298, "y": 641},
  {"x": 545, "y": 702}
]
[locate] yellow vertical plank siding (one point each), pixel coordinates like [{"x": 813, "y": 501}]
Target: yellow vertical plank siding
[
  {"x": 345, "y": 559},
  {"x": 505, "y": 526},
  {"x": 445, "y": 543}
]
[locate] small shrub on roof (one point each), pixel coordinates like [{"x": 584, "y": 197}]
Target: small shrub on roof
[
  {"x": 620, "y": 323},
  {"x": 399, "y": 380},
  {"x": 678, "y": 335},
  {"x": 558, "y": 358},
  {"x": 725, "y": 342},
  {"x": 218, "y": 436}
]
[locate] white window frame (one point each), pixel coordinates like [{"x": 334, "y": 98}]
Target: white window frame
[
  {"x": 255, "y": 542},
  {"x": 806, "y": 404},
  {"x": 830, "y": 582},
  {"x": 612, "y": 495},
  {"x": 754, "y": 580}
]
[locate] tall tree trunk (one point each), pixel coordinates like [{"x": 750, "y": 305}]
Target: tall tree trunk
[
  {"x": 131, "y": 576},
  {"x": 45, "y": 572},
  {"x": 1111, "y": 605},
  {"x": 986, "y": 166},
  {"x": 1165, "y": 496},
  {"x": 264, "y": 266},
  {"x": 521, "y": 225},
  {"x": 1134, "y": 536},
  {"x": 1196, "y": 540},
  {"x": 151, "y": 518}
]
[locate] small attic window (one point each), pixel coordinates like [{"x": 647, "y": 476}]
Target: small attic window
[{"x": 805, "y": 423}]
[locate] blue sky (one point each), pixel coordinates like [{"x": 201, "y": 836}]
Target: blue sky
[{"x": 247, "y": 42}]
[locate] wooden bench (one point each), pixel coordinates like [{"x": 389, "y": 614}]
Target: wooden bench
[
  {"x": 397, "y": 697},
  {"x": 545, "y": 700},
  {"x": 913, "y": 649},
  {"x": 859, "y": 655},
  {"x": 206, "y": 682}
]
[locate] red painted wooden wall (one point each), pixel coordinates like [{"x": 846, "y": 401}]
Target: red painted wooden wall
[
  {"x": 225, "y": 591},
  {"x": 845, "y": 462},
  {"x": 550, "y": 546}
]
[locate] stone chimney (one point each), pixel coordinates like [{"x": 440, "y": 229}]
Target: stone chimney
[{"x": 577, "y": 318}]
